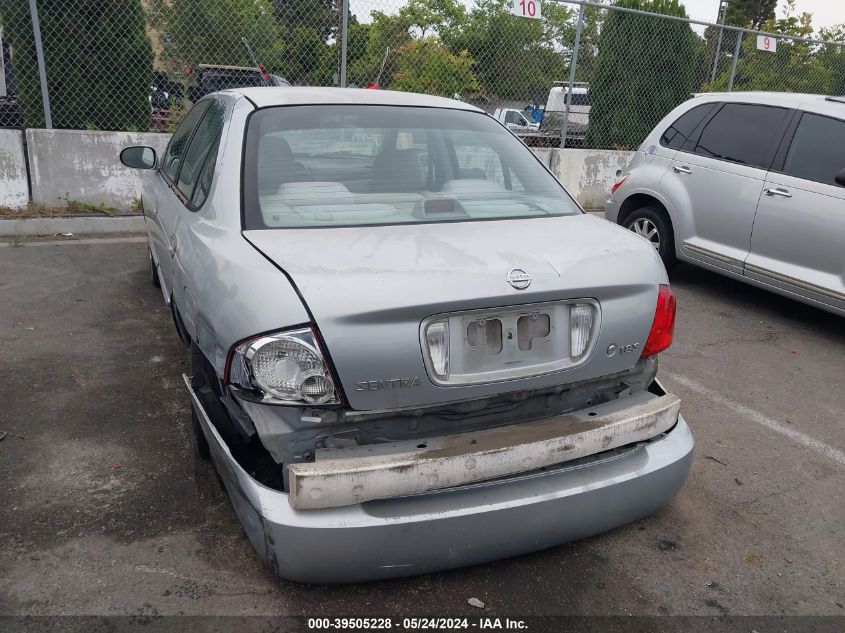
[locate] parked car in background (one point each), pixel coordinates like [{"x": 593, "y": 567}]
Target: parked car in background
[
  {"x": 750, "y": 185},
  {"x": 515, "y": 120},
  {"x": 550, "y": 129},
  {"x": 212, "y": 78},
  {"x": 411, "y": 349}
]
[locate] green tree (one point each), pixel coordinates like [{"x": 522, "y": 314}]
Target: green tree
[
  {"x": 197, "y": 32},
  {"x": 745, "y": 13},
  {"x": 750, "y": 13},
  {"x": 426, "y": 66},
  {"x": 794, "y": 67},
  {"x": 388, "y": 37},
  {"x": 516, "y": 58},
  {"x": 98, "y": 59},
  {"x": 644, "y": 68},
  {"x": 318, "y": 15},
  {"x": 832, "y": 57}
]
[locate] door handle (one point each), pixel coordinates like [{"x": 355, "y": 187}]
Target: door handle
[
  {"x": 172, "y": 249},
  {"x": 778, "y": 191},
  {"x": 683, "y": 169}
]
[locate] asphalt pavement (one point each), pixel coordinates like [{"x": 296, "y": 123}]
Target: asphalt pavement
[{"x": 104, "y": 510}]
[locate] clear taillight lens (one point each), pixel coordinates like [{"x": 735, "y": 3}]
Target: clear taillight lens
[
  {"x": 437, "y": 341},
  {"x": 581, "y": 317},
  {"x": 287, "y": 366}
]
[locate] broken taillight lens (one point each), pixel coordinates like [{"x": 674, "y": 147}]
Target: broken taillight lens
[{"x": 663, "y": 326}]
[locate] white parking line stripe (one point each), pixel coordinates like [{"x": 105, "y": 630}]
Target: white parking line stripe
[
  {"x": 755, "y": 416},
  {"x": 95, "y": 240}
]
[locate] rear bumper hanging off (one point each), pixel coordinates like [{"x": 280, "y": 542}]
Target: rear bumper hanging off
[
  {"x": 463, "y": 525},
  {"x": 351, "y": 476}
]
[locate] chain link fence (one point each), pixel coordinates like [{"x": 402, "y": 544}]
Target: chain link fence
[{"x": 606, "y": 74}]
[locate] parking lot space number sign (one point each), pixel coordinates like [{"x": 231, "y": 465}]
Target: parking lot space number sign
[
  {"x": 527, "y": 8},
  {"x": 766, "y": 43}
]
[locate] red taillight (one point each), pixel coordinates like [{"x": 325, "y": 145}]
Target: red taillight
[
  {"x": 663, "y": 326},
  {"x": 617, "y": 185}
]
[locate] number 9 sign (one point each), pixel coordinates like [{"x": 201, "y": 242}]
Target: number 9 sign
[
  {"x": 527, "y": 9},
  {"x": 767, "y": 43}
]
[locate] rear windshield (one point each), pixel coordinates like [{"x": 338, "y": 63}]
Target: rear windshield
[{"x": 323, "y": 166}]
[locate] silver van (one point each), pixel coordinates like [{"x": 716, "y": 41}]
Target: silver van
[{"x": 751, "y": 185}]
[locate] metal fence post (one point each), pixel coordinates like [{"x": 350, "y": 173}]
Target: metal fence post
[
  {"x": 42, "y": 70},
  {"x": 344, "y": 41},
  {"x": 572, "y": 66},
  {"x": 736, "y": 57}
]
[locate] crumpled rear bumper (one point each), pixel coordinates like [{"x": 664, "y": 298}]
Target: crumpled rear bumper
[{"x": 454, "y": 527}]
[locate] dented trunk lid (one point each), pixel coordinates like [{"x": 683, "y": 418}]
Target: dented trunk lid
[{"x": 369, "y": 289}]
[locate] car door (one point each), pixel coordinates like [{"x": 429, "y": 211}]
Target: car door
[
  {"x": 716, "y": 178},
  {"x": 798, "y": 242},
  {"x": 193, "y": 187},
  {"x": 167, "y": 203}
]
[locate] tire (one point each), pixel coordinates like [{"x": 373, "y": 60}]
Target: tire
[
  {"x": 653, "y": 224},
  {"x": 153, "y": 272}
]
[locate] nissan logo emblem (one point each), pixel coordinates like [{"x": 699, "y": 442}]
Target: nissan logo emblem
[{"x": 518, "y": 278}]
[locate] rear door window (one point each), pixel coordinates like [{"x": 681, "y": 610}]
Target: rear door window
[
  {"x": 817, "y": 151},
  {"x": 179, "y": 141},
  {"x": 743, "y": 133},
  {"x": 681, "y": 130},
  {"x": 203, "y": 141}
]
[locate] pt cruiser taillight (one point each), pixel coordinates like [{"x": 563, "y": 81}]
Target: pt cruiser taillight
[
  {"x": 663, "y": 326},
  {"x": 286, "y": 368}
]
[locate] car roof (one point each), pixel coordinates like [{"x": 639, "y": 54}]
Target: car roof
[
  {"x": 809, "y": 102},
  {"x": 272, "y": 96}
]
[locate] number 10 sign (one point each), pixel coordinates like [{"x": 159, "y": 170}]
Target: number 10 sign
[{"x": 527, "y": 8}]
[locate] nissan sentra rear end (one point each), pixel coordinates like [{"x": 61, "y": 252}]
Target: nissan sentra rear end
[{"x": 474, "y": 373}]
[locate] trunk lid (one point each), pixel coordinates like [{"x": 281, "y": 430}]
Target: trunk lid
[{"x": 370, "y": 288}]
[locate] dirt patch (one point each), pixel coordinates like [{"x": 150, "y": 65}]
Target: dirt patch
[{"x": 73, "y": 209}]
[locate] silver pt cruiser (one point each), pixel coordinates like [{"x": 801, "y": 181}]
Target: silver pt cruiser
[{"x": 411, "y": 350}]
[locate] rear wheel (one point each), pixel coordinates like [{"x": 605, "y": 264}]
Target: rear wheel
[
  {"x": 153, "y": 272},
  {"x": 653, "y": 224}
]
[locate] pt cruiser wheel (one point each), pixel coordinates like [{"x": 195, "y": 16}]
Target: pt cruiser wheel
[{"x": 653, "y": 225}]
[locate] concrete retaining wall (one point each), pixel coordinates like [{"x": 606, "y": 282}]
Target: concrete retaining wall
[
  {"x": 85, "y": 166},
  {"x": 14, "y": 191},
  {"x": 588, "y": 174}
]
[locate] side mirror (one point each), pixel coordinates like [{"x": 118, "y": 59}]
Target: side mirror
[
  {"x": 840, "y": 178},
  {"x": 139, "y": 157}
]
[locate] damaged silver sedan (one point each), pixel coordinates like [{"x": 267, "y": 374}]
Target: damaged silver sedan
[{"x": 411, "y": 350}]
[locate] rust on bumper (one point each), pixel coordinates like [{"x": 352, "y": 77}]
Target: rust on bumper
[{"x": 342, "y": 477}]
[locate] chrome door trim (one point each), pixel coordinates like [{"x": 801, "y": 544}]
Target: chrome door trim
[
  {"x": 699, "y": 250},
  {"x": 792, "y": 281}
]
